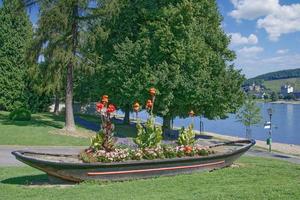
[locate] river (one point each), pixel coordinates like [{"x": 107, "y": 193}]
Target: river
[{"x": 285, "y": 118}]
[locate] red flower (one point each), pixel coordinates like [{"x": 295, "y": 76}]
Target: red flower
[
  {"x": 136, "y": 107},
  {"x": 149, "y": 104},
  {"x": 111, "y": 108},
  {"x": 99, "y": 106},
  {"x": 152, "y": 91},
  {"x": 104, "y": 99},
  {"x": 188, "y": 149}
]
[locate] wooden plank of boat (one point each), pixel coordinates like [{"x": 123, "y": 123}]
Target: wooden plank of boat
[
  {"x": 70, "y": 168},
  {"x": 155, "y": 169}
]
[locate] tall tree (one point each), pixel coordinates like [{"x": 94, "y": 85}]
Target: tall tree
[
  {"x": 185, "y": 56},
  {"x": 61, "y": 36},
  {"x": 15, "y": 36}
]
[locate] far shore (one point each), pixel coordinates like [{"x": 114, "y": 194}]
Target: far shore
[{"x": 285, "y": 102}]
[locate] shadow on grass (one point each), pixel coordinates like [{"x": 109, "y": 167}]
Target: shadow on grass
[
  {"x": 40, "y": 179},
  {"x": 45, "y": 119}
]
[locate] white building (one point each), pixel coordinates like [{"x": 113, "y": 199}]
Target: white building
[{"x": 286, "y": 89}]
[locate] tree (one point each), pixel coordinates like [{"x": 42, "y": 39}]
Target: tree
[
  {"x": 61, "y": 36},
  {"x": 184, "y": 55},
  {"x": 249, "y": 115},
  {"x": 274, "y": 96},
  {"x": 15, "y": 36}
]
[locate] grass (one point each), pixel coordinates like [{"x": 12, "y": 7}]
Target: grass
[
  {"x": 36, "y": 132},
  {"x": 256, "y": 178},
  {"x": 275, "y": 85}
]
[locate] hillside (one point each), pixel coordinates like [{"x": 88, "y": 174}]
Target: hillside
[
  {"x": 278, "y": 75},
  {"x": 275, "y": 85}
]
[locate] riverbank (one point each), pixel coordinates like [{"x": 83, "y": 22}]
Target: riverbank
[
  {"x": 285, "y": 102},
  {"x": 279, "y": 147}
]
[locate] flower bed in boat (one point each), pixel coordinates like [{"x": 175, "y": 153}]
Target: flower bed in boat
[
  {"x": 148, "y": 140},
  {"x": 161, "y": 152}
]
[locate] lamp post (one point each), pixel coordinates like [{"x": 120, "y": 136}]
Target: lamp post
[{"x": 270, "y": 112}]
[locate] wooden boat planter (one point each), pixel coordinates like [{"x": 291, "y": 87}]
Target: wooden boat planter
[{"x": 70, "y": 168}]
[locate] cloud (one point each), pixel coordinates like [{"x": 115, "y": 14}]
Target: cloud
[
  {"x": 256, "y": 66},
  {"x": 282, "y": 51},
  {"x": 238, "y": 39},
  {"x": 285, "y": 20},
  {"x": 249, "y": 51},
  {"x": 249, "y": 9},
  {"x": 276, "y": 19}
]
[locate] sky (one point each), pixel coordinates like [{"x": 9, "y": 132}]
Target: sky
[{"x": 265, "y": 34}]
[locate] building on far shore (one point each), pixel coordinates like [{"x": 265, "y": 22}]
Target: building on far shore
[
  {"x": 253, "y": 87},
  {"x": 286, "y": 89}
]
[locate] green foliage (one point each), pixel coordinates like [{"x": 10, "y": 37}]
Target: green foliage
[
  {"x": 20, "y": 114},
  {"x": 101, "y": 141},
  {"x": 177, "y": 47},
  {"x": 274, "y": 96},
  {"x": 186, "y": 137},
  {"x": 149, "y": 135},
  {"x": 249, "y": 115},
  {"x": 97, "y": 141},
  {"x": 15, "y": 36}
]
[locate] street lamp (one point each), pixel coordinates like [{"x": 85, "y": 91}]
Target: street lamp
[{"x": 269, "y": 141}]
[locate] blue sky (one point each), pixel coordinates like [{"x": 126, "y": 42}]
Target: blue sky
[{"x": 265, "y": 33}]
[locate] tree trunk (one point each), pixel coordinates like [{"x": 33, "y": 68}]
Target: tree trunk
[
  {"x": 56, "y": 105},
  {"x": 248, "y": 132},
  {"x": 126, "y": 119},
  {"x": 69, "y": 123},
  {"x": 166, "y": 123}
]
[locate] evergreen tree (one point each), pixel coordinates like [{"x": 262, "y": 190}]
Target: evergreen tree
[
  {"x": 15, "y": 36},
  {"x": 60, "y": 38}
]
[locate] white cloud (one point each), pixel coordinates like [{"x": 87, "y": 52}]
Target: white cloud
[
  {"x": 276, "y": 19},
  {"x": 249, "y": 51},
  {"x": 282, "y": 51},
  {"x": 252, "y": 9},
  {"x": 284, "y": 20},
  {"x": 238, "y": 39}
]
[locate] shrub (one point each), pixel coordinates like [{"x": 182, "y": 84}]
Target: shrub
[
  {"x": 148, "y": 136},
  {"x": 20, "y": 114},
  {"x": 186, "y": 137}
]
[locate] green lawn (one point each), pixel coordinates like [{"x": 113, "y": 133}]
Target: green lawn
[
  {"x": 36, "y": 131},
  {"x": 256, "y": 178},
  {"x": 275, "y": 85}
]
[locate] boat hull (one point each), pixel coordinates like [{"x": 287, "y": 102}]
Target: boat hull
[{"x": 78, "y": 171}]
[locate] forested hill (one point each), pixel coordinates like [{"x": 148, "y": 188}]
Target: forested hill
[{"x": 283, "y": 74}]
